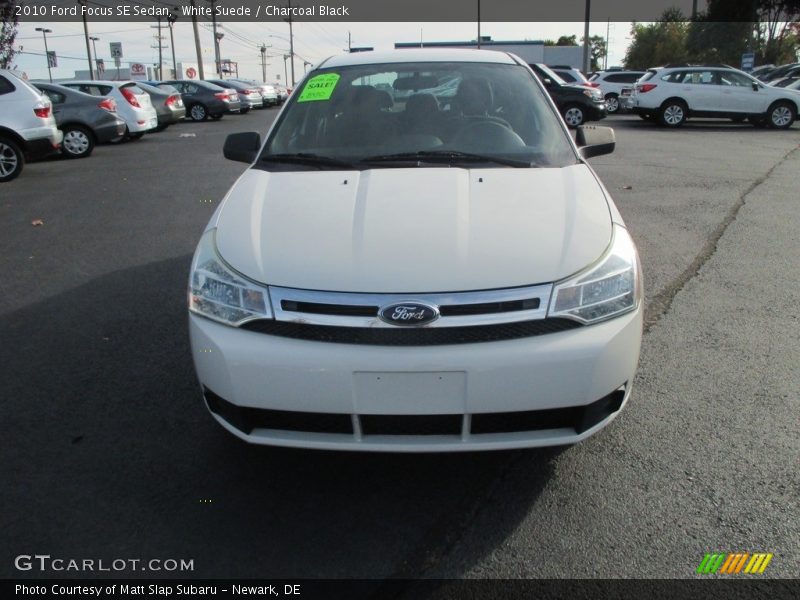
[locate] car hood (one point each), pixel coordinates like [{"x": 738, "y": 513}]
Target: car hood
[{"x": 413, "y": 230}]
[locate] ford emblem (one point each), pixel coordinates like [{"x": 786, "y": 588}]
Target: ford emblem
[{"x": 408, "y": 314}]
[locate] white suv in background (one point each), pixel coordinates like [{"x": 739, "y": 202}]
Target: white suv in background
[
  {"x": 611, "y": 84},
  {"x": 27, "y": 125},
  {"x": 670, "y": 95}
]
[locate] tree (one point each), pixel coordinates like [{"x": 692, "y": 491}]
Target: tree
[
  {"x": 777, "y": 31},
  {"x": 597, "y": 50},
  {"x": 567, "y": 40},
  {"x": 658, "y": 43},
  {"x": 8, "y": 33}
]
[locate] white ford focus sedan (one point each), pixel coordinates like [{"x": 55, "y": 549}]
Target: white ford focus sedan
[{"x": 418, "y": 258}]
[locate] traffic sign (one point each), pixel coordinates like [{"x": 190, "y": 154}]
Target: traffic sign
[
  {"x": 116, "y": 49},
  {"x": 191, "y": 73},
  {"x": 748, "y": 61}
]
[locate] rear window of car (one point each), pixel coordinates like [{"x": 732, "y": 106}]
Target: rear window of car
[
  {"x": 133, "y": 88},
  {"x": 648, "y": 75},
  {"x": 6, "y": 86},
  {"x": 93, "y": 89},
  {"x": 55, "y": 97},
  {"x": 566, "y": 76},
  {"x": 623, "y": 77}
]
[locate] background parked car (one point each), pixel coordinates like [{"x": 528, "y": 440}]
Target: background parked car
[
  {"x": 611, "y": 84},
  {"x": 204, "y": 100},
  {"x": 571, "y": 75},
  {"x": 576, "y": 103},
  {"x": 788, "y": 70},
  {"x": 269, "y": 92},
  {"x": 84, "y": 120},
  {"x": 249, "y": 95},
  {"x": 168, "y": 104},
  {"x": 133, "y": 103},
  {"x": 27, "y": 127},
  {"x": 786, "y": 82}
]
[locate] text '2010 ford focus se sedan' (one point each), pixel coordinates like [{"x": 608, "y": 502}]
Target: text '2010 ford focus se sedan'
[{"x": 417, "y": 259}]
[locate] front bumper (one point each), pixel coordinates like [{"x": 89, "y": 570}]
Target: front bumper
[{"x": 419, "y": 398}]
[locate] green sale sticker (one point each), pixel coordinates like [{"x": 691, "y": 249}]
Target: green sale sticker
[{"x": 319, "y": 87}]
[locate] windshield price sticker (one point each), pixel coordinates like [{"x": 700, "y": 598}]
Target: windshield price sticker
[{"x": 319, "y": 88}]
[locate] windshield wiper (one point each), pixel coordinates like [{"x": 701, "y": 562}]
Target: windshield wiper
[
  {"x": 302, "y": 158},
  {"x": 446, "y": 156}
]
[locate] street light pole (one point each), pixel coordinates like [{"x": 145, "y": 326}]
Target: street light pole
[
  {"x": 86, "y": 37},
  {"x": 171, "y": 20},
  {"x": 94, "y": 48},
  {"x": 291, "y": 40},
  {"x": 285, "y": 74},
  {"x": 46, "y": 51},
  {"x": 201, "y": 74},
  {"x": 263, "y": 63},
  {"x": 586, "y": 37}
]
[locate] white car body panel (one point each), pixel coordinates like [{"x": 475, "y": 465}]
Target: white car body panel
[
  {"x": 16, "y": 112},
  {"x": 375, "y": 230}
]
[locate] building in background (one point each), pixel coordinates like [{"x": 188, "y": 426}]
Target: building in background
[{"x": 531, "y": 51}]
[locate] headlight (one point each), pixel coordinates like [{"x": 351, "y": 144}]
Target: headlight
[
  {"x": 607, "y": 289},
  {"x": 216, "y": 291}
]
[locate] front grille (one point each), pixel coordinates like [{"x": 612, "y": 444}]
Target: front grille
[
  {"x": 578, "y": 418},
  {"x": 487, "y": 308},
  {"x": 247, "y": 419},
  {"x": 411, "y": 424},
  {"x": 318, "y": 308},
  {"x": 411, "y": 336}
]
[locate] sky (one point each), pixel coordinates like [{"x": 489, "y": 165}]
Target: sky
[{"x": 313, "y": 41}]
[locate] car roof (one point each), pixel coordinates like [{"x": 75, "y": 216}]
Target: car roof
[
  {"x": 98, "y": 82},
  {"x": 417, "y": 55}
]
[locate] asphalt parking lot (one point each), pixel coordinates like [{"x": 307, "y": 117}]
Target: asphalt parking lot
[{"x": 112, "y": 454}]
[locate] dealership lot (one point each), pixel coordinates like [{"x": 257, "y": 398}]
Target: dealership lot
[{"x": 114, "y": 456}]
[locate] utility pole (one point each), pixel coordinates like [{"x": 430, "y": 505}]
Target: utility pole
[
  {"x": 285, "y": 74},
  {"x": 479, "y": 24},
  {"x": 86, "y": 37},
  {"x": 291, "y": 40},
  {"x": 46, "y": 51},
  {"x": 216, "y": 39},
  {"x": 159, "y": 75},
  {"x": 263, "y": 63},
  {"x": 349, "y": 42},
  {"x": 586, "y": 36},
  {"x": 608, "y": 29},
  {"x": 201, "y": 74},
  {"x": 171, "y": 21},
  {"x": 694, "y": 10}
]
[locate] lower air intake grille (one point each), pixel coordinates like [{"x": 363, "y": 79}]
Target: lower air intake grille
[
  {"x": 247, "y": 419},
  {"x": 411, "y": 336}
]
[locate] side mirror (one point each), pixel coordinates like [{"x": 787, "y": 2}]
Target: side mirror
[
  {"x": 594, "y": 141},
  {"x": 242, "y": 147},
  {"x": 755, "y": 86}
]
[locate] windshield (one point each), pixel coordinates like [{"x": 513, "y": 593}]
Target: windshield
[{"x": 420, "y": 113}]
